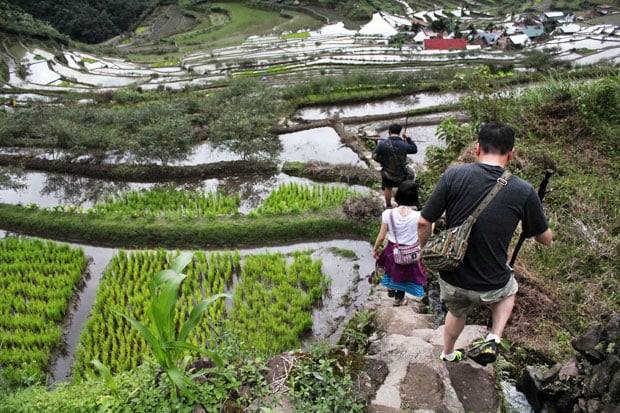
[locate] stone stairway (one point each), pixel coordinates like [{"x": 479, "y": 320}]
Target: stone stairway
[{"x": 408, "y": 347}]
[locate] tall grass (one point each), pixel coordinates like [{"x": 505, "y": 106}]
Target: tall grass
[{"x": 572, "y": 126}]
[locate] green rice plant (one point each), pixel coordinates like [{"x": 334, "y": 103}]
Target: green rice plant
[
  {"x": 273, "y": 299},
  {"x": 124, "y": 289},
  {"x": 37, "y": 280},
  {"x": 167, "y": 201},
  {"x": 297, "y": 198}
]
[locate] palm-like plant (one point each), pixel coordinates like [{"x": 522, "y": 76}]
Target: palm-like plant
[{"x": 171, "y": 347}]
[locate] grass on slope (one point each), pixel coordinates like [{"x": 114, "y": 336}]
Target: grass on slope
[{"x": 229, "y": 24}]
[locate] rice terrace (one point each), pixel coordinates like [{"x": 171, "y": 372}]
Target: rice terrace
[{"x": 188, "y": 202}]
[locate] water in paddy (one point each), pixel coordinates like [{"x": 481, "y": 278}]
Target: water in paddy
[
  {"x": 349, "y": 288},
  {"x": 397, "y": 105},
  {"x": 323, "y": 144}
]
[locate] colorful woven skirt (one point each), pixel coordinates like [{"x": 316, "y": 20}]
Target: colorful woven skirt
[{"x": 409, "y": 287}]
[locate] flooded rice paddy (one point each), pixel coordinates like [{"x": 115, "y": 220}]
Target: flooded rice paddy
[
  {"x": 349, "y": 285},
  {"x": 325, "y": 49},
  {"x": 348, "y": 290}
]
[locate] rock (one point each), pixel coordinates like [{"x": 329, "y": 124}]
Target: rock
[
  {"x": 588, "y": 382},
  {"x": 414, "y": 379},
  {"x": 587, "y": 343},
  {"x": 612, "y": 330},
  {"x": 601, "y": 376},
  {"x": 551, "y": 374},
  {"x": 614, "y": 388},
  {"x": 531, "y": 386},
  {"x": 570, "y": 370}
]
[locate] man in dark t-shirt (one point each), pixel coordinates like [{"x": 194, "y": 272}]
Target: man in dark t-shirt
[
  {"x": 391, "y": 153},
  {"x": 484, "y": 276}
]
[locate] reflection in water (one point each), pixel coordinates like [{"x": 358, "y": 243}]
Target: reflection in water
[
  {"x": 49, "y": 190},
  {"x": 56, "y": 189},
  {"x": 421, "y": 100},
  {"x": 80, "y": 191},
  {"x": 318, "y": 144}
]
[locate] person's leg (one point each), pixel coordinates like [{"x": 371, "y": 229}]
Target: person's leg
[
  {"x": 484, "y": 351},
  {"x": 453, "y": 328},
  {"x": 387, "y": 193},
  {"x": 399, "y": 298},
  {"x": 500, "y": 313}
]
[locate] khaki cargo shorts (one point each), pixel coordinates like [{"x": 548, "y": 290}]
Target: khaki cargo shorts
[{"x": 461, "y": 302}]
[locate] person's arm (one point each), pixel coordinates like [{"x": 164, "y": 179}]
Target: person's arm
[
  {"x": 534, "y": 223},
  {"x": 413, "y": 148},
  {"x": 545, "y": 238},
  {"x": 376, "y": 154},
  {"x": 425, "y": 229},
  {"x": 379, "y": 240}
]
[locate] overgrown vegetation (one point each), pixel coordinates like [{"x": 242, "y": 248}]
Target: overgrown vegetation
[
  {"x": 567, "y": 124},
  {"x": 570, "y": 127},
  {"x": 14, "y": 21},
  {"x": 235, "y": 373},
  {"x": 85, "y": 21}
]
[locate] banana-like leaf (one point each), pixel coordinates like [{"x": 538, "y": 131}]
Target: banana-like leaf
[
  {"x": 196, "y": 313},
  {"x": 165, "y": 288},
  {"x": 181, "y": 261},
  {"x": 107, "y": 376},
  {"x": 154, "y": 342},
  {"x": 181, "y": 381}
]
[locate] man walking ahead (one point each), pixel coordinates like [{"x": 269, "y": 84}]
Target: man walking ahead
[
  {"x": 484, "y": 276},
  {"x": 391, "y": 153}
]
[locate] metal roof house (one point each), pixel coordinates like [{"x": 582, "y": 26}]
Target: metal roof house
[{"x": 445, "y": 44}]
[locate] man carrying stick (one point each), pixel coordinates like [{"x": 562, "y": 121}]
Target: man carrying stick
[
  {"x": 391, "y": 153},
  {"x": 484, "y": 276}
]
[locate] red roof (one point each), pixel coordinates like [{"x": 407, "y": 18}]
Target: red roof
[{"x": 444, "y": 44}]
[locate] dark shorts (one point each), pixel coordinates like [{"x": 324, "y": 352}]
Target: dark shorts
[{"x": 388, "y": 183}]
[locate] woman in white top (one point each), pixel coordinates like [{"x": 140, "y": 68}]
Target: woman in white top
[{"x": 400, "y": 278}]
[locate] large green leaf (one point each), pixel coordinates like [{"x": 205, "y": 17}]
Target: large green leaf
[
  {"x": 107, "y": 376},
  {"x": 182, "y": 261},
  {"x": 155, "y": 344},
  {"x": 196, "y": 313}
]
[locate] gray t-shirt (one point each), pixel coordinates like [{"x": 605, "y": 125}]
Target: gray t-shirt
[{"x": 458, "y": 192}]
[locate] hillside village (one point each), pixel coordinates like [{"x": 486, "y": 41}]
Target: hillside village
[{"x": 435, "y": 30}]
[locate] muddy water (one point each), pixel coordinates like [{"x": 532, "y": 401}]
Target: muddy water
[
  {"x": 398, "y": 105},
  {"x": 76, "y": 318},
  {"x": 349, "y": 288}
]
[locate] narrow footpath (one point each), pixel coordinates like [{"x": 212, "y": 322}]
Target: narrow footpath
[{"x": 407, "y": 346}]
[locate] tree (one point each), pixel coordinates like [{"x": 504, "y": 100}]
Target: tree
[
  {"x": 440, "y": 25},
  {"x": 241, "y": 117},
  {"x": 166, "y": 139}
]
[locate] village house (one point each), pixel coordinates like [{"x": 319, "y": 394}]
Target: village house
[
  {"x": 604, "y": 9},
  {"x": 445, "y": 44},
  {"x": 516, "y": 31}
]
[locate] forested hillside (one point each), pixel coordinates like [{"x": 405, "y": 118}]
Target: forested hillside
[
  {"x": 94, "y": 21},
  {"x": 14, "y": 21},
  {"x": 88, "y": 21}
]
